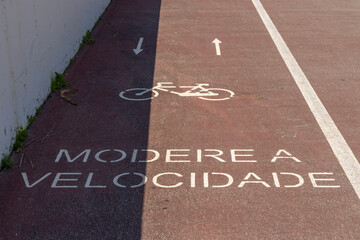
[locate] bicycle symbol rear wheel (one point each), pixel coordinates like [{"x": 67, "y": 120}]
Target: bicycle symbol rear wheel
[
  {"x": 222, "y": 94},
  {"x": 138, "y": 94}
]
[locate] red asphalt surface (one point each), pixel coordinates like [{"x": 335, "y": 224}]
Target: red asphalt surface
[{"x": 194, "y": 147}]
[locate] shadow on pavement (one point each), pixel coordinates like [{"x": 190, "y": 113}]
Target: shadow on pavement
[{"x": 81, "y": 195}]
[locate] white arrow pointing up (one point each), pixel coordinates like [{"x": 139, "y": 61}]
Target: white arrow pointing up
[
  {"x": 138, "y": 48},
  {"x": 217, "y": 46}
]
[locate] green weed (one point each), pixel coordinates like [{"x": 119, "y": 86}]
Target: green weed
[
  {"x": 20, "y": 138},
  {"x": 31, "y": 120},
  {"x": 38, "y": 110},
  {"x": 70, "y": 62},
  {"x": 87, "y": 39},
  {"x": 6, "y": 163},
  {"x": 98, "y": 21},
  {"x": 58, "y": 82}
]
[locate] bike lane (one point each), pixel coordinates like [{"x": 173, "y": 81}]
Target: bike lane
[
  {"x": 256, "y": 166},
  {"x": 250, "y": 167}
]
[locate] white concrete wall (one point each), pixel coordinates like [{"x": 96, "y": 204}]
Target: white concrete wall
[{"x": 37, "y": 38}]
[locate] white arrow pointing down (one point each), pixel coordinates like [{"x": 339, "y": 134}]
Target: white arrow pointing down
[{"x": 138, "y": 48}]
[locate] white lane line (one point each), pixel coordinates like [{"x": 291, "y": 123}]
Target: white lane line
[{"x": 337, "y": 142}]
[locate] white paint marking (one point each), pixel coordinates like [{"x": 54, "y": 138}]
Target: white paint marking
[
  {"x": 59, "y": 179},
  {"x": 26, "y": 180},
  {"x": 200, "y": 90},
  {"x": 314, "y": 180},
  {"x": 206, "y": 180},
  {"x": 337, "y": 142},
  {"x": 288, "y": 156},
  {"x": 277, "y": 182},
  {"x": 88, "y": 182},
  {"x": 144, "y": 180},
  {"x": 192, "y": 180},
  {"x": 156, "y": 183},
  {"x": 217, "y": 46},
  {"x": 138, "y": 48},
  {"x": 229, "y": 178}
]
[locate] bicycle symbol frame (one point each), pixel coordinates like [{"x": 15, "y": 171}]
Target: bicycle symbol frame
[{"x": 199, "y": 90}]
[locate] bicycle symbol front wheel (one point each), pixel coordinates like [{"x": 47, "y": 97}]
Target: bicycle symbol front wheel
[
  {"x": 220, "y": 94},
  {"x": 138, "y": 94}
]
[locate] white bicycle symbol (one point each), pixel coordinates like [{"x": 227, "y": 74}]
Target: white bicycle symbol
[{"x": 199, "y": 90}]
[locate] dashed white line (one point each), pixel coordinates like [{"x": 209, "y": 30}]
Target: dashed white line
[{"x": 337, "y": 142}]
